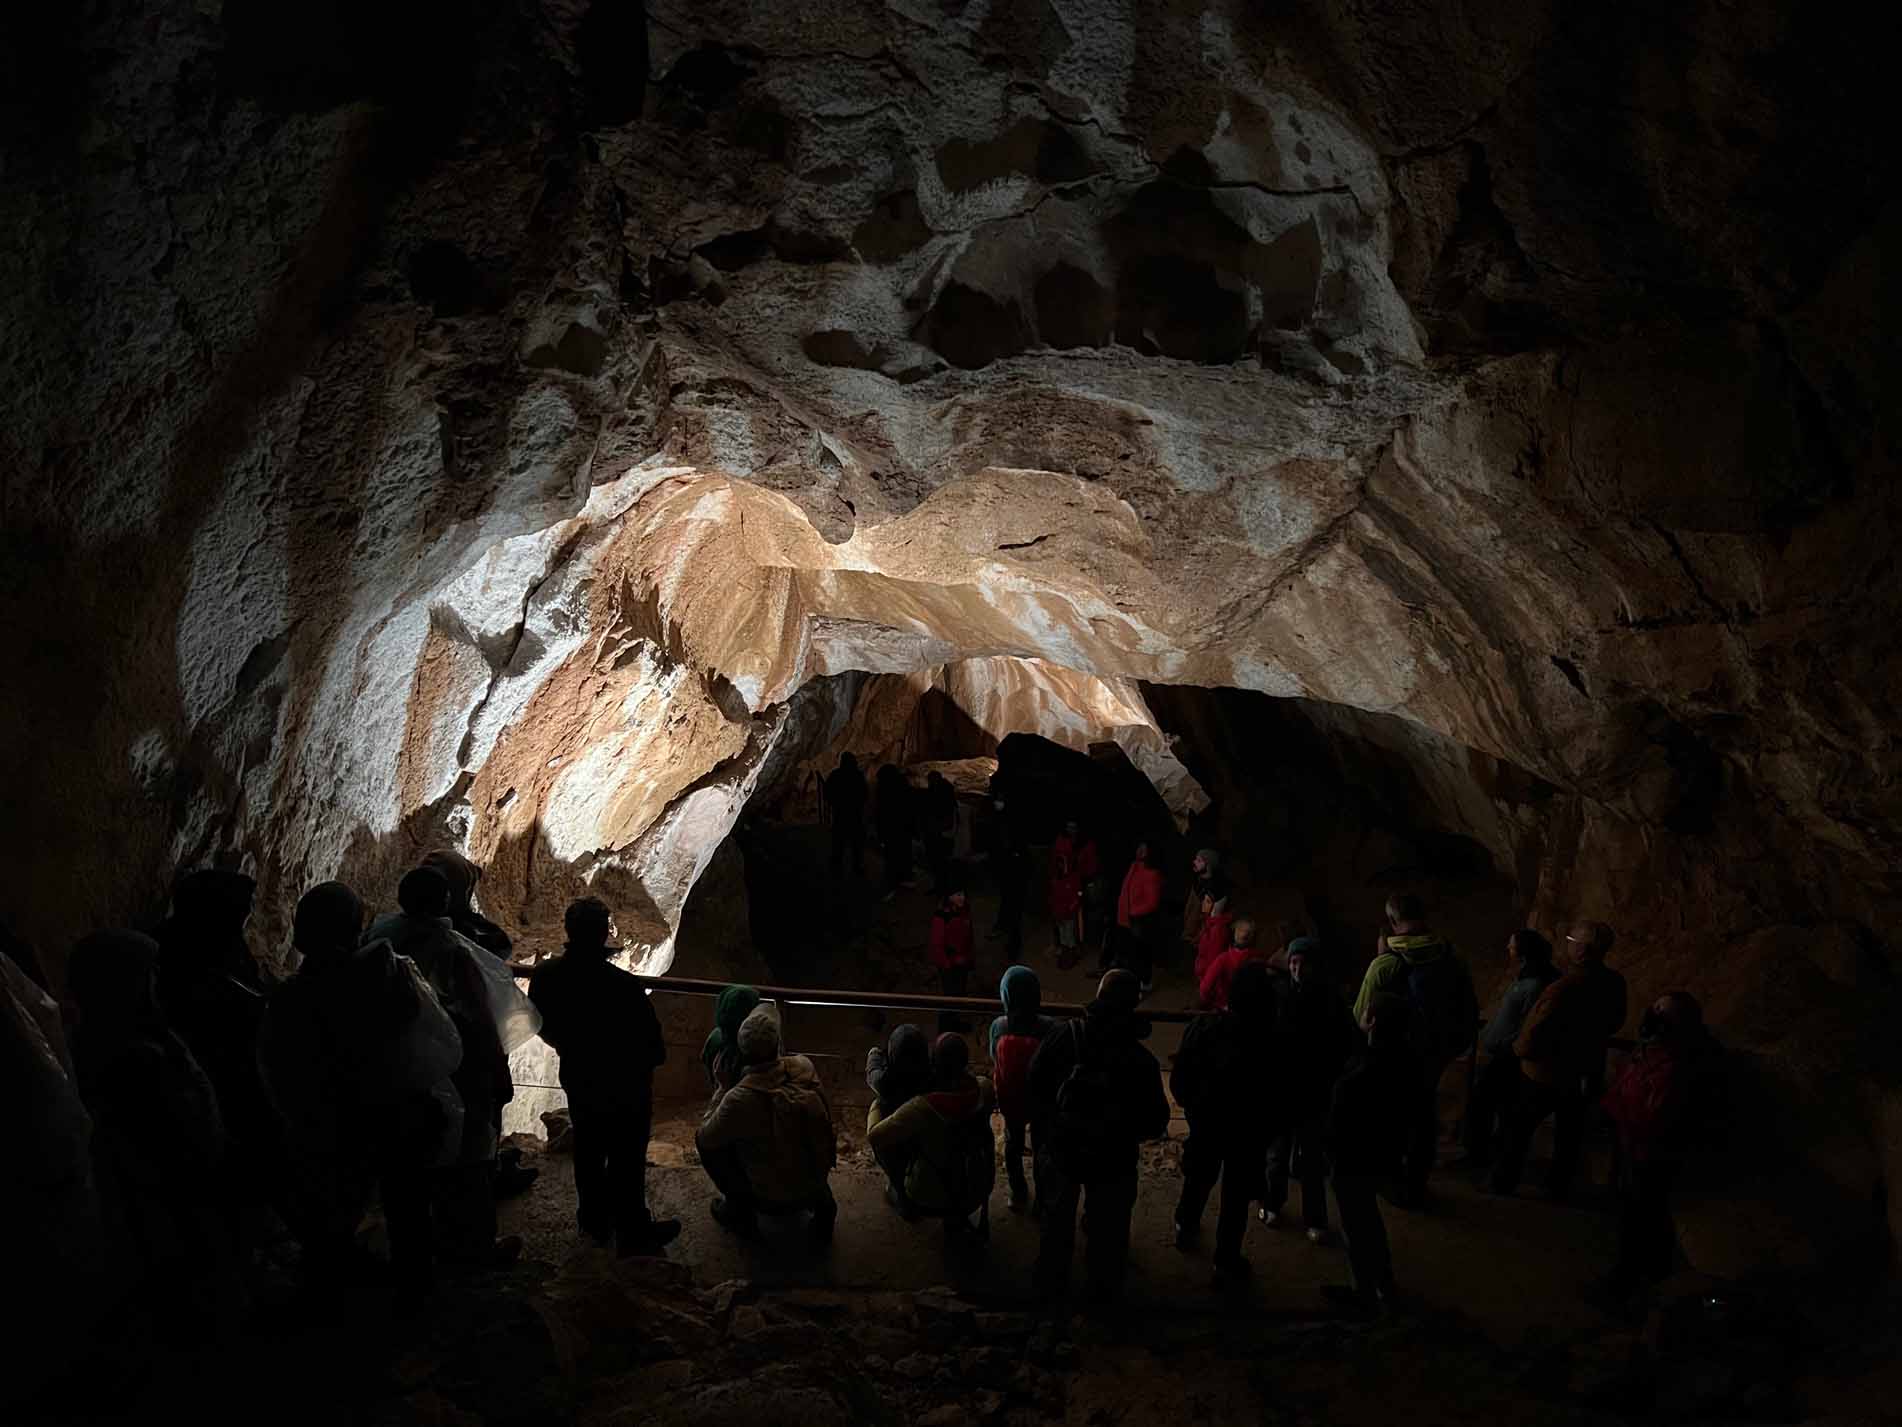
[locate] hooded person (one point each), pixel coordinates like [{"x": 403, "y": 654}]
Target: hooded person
[
  {"x": 892, "y": 813},
  {"x": 455, "y": 968},
  {"x": 158, "y": 1143},
  {"x": 1096, "y": 1094},
  {"x": 1417, "y": 964},
  {"x": 1014, "y": 1040},
  {"x": 721, "y": 1052},
  {"x": 1073, "y": 866},
  {"x": 358, "y": 1055},
  {"x": 1218, "y": 922},
  {"x": 944, "y": 1138},
  {"x": 768, "y": 1143},
  {"x": 1318, "y": 1038},
  {"x": 895, "y": 1072},
  {"x": 1224, "y": 1079},
  {"x": 462, "y": 875}
]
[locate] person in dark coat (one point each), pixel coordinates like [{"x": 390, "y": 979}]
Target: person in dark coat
[
  {"x": 1370, "y": 1118},
  {"x": 213, "y": 995},
  {"x": 158, "y": 1141},
  {"x": 1010, "y": 861},
  {"x": 895, "y": 1072},
  {"x": 895, "y": 827},
  {"x": 1318, "y": 1038},
  {"x": 1496, "y": 1087},
  {"x": 1224, "y": 1081},
  {"x": 600, "y": 1022},
  {"x": 845, "y": 800},
  {"x": 938, "y": 816},
  {"x": 358, "y": 1056},
  {"x": 1096, "y": 1094}
]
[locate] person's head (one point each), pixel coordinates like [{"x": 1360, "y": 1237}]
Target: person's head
[
  {"x": 1118, "y": 993},
  {"x": 1385, "y": 1020},
  {"x": 849, "y": 762},
  {"x": 1021, "y": 992},
  {"x": 758, "y": 1041},
  {"x": 1072, "y": 829},
  {"x": 588, "y": 923},
  {"x": 1215, "y": 894},
  {"x": 423, "y": 892},
  {"x": 1304, "y": 955},
  {"x": 950, "y": 1059},
  {"x": 1242, "y": 934},
  {"x": 1142, "y": 852},
  {"x": 1251, "y": 992},
  {"x": 955, "y": 901},
  {"x": 1531, "y": 951},
  {"x": 1587, "y": 943},
  {"x": 213, "y": 900},
  {"x": 329, "y": 921},
  {"x": 1406, "y": 912},
  {"x": 110, "y": 978},
  {"x": 1204, "y": 862},
  {"x": 1675, "y": 1017},
  {"x": 908, "y": 1050},
  {"x": 460, "y": 873}
]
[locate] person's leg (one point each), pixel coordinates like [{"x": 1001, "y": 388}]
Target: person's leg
[
  {"x": 1111, "y": 1201},
  {"x": 1568, "y": 1140},
  {"x": 1369, "y": 1257},
  {"x": 1201, "y": 1167},
  {"x": 825, "y": 1216},
  {"x": 1531, "y": 1105},
  {"x": 1280, "y": 1158},
  {"x": 1310, "y": 1167},
  {"x": 1241, "y": 1181},
  {"x": 1481, "y": 1131},
  {"x": 593, "y": 1203},
  {"x": 406, "y": 1216},
  {"x": 1014, "y": 1162},
  {"x": 627, "y": 1176},
  {"x": 1056, "y": 1234},
  {"x": 1423, "y": 1143},
  {"x": 737, "y": 1207},
  {"x": 838, "y": 845}
]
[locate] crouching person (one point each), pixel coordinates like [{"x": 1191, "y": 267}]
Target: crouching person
[
  {"x": 767, "y": 1143},
  {"x": 944, "y": 1137}
]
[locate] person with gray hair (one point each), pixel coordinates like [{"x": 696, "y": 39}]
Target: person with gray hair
[{"x": 767, "y": 1143}]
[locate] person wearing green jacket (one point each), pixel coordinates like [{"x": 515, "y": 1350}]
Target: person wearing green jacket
[{"x": 1422, "y": 968}]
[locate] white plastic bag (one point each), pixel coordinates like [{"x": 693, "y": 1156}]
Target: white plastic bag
[{"x": 517, "y": 1022}]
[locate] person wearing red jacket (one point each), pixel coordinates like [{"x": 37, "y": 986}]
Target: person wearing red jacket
[
  {"x": 1217, "y": 924},
  {"x": 1653, "y": 1105},
  {"x": 1073, "y": 862},
  {"x": 1138, "y": 918},
  {"x": 1221, "y": 971},
  {"x": 951, "y": 943}
]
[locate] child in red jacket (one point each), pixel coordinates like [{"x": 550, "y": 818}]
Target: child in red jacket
[{"x": 951, "y": 944}]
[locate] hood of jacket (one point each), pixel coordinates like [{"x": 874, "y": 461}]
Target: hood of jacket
[
  {"x": 960, "y": 1103},
  {"x": 1022, "y": 995},
  {"x": 1421, "y": 949}
]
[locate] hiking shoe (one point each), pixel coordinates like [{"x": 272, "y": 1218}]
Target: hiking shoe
[
  {"x": 657, "y": 1236},
  {"x": 1186, "y": 1234},
  {"x": 1320, "y": 1236},
  {"x": 1017, "y": 1202},
  {"x": 732, "y": 1220},
  {"x": 1270, "y": 1217}
]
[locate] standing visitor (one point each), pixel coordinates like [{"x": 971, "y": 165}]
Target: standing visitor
[
  {"x": 1016, "y": 1037},
  {"x": 1319, "y": 1038},
  {"x": 1496, "y": 1087},
  {"x": 1139, "y": 919}
]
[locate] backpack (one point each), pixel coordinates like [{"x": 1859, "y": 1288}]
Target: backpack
[
  {"x": 1010, "y": 1065},
  {"x": 1435, "y": 995},
  {"x": 1089, "y": 1123}
]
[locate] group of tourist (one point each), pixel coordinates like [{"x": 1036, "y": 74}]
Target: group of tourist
[{"x": 380, "y": 1067}]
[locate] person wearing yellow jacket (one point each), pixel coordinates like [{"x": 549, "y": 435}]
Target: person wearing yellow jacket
[{"x": 944, "y": 1137}]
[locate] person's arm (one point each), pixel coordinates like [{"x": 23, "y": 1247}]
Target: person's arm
[
  {"x": 899, "y": 1128},
  {"x": 1497, "y": 1038},
  {"x": 1212, "y": 983},
  {"x": 650, "y": 1027},
  {"x": 1053, "y": 1061},
  {"x": 541, "y": 995},
  {"x": 732, "y": 1118},
  {"x": 1370, "y": 985},
  {"x": 1533, "y": 1035},
  {"x": 1185, "y": 1076}
]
